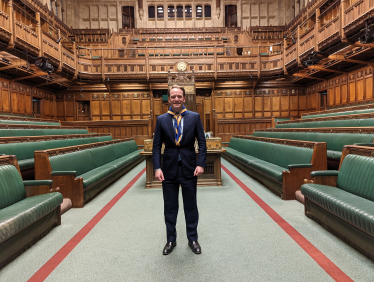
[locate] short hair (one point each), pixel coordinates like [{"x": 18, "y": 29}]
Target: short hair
[{"x": 179, "y": 87}]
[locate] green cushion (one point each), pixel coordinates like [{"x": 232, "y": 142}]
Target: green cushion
[
  {"x": 80, "y": 161},
  {"x": 11, "y": 187},
  {"x": 95, "y": 175},
  {"x": 283, "y": 155},
  {"x": 141, "y": 55},
  {"x": 356, "y": 176},
  {"x": 350, "y": 207},
  {"x": 26, "y": 164},
  {"x": 20, "y": 215},
  {"x": 102, "y": 155},
  {"x": 334, "y": 155}
]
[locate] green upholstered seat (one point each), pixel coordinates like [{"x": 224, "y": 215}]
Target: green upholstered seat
[
  {"x": 12, "y": 189},
  {"x": 152, "y": 39},
  {"x": 268, "y": 158},
  {"x": 334, "y": 155},
  {"x": 25, "y": 151},
  {"x": 16, "y": 211},
  {"x": 352, "y": 199},
  {"x": 141, "y": 55},
  {"x": 334, "y": 141},
  {"x": 176, "y": 54},
  {"x": 29, "y": 122},
  {"x": 350, "y": 207},
  {"x": 93, "y": 176},
  {"x": 79, "y": 161},
  {"x": 102, "y": 155},
  {"x": 220, "y": 53},
  {"x": 16, "y": 217},
  {"x": 210, "y": 53},
  {"x": 136, "y": 39},
  {"x": 185, "y": 54},
  {"x": 26, "y": 164}
]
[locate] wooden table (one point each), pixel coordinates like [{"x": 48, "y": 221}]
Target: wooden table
[{"x": 210, "y": 177}]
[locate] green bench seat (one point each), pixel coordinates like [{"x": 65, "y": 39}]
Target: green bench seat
[
  {"x": 23, "y": 220},
  {"x": 4, "y": 132},
  {"x": 335, "y": 141},
  {"x": 328, "y": 123},
  {"x": 24, "y": 151},
  {"x": 87, "y": 170},
  {"x": 29, "y": 122},
  {"x": 347, "y": 208},
  {"x": 354, "y": 112},
  {"x": 269, "y": 162}
]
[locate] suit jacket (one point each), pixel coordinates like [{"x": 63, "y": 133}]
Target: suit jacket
[{"x": 164, "y": 133}]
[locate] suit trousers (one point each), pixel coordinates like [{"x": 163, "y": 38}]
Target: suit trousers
[{"x": 170, "y": 189}]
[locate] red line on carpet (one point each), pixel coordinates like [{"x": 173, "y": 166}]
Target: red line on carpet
[
  {"x": 53, "y": 262},
  {"x": 327, "y": 265}
]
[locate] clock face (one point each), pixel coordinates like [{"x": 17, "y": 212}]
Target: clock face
[{"x": 181, "y": 66}]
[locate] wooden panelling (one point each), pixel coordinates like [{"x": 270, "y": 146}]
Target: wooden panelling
[
  {"x": 105, "y": 105},
  {"x": 225, "y": 128},
  {"x": 369, "y": 88},
  {"x": 352, "y": 91},
  {"x": 360, "y": 90},
  {"x": 95, "y": 107},
  {"x": 116, "y": 108},
  {"x": 139, "y": 129},
  {"x": 275, "y": 104},
  {"x": 69, "y": 108}
]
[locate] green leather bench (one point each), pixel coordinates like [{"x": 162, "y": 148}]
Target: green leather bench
[
  {"x": 325, "y": 123},
  {"x": 24, "y": 151},
  {"x": 354, "y": 112},
  {"x": 343, "y": 201},
  {"x": 335, "y": 141},
  {"x": 35, "y": 130},
  {"x": 282, "y": 168},
  {"x": 8, "y": 121},
  {"x": 83, "y": 171},
  {"x": 23, "y": 220}
]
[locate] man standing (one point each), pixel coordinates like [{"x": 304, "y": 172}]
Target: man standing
[{"x": 178, "y": 129}]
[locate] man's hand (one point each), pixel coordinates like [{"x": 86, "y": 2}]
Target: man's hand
[
  {"x": 159, "y": 175},
  {"x": 198, "y": 171}
]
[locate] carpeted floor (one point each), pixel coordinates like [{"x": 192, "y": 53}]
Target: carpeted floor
[{"x": 239, "y": 241}]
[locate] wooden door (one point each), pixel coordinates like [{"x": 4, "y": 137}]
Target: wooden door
[{"x": 83, "y": 109}]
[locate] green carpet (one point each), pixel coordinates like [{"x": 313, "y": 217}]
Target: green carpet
[{"x": 239, "y": 241}]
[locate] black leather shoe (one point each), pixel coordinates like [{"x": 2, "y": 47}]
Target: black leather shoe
[
  {"x": 195, "y": 247},
  {"x": 169, "y": 248}
]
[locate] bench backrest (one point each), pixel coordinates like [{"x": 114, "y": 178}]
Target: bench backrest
[
  {"x": 334, "y": 141},
  {"x": 12, "y": 189},
  {"x": 327, "y": 123},
  {"x": 356, "y": 176},
  {"x": 85, "y": 160},
  {"x": 29, "y": 122},
  {"x": 352, "y": 112},
  {"x": 25, "y": 150},
  {"x": 281, "y": 155},
  {"x": 38, "y": 132}
]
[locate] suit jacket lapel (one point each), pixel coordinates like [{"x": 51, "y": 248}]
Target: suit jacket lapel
[
  {"x": 186, "y": 122},
  {"x": 170, "y": 122}
]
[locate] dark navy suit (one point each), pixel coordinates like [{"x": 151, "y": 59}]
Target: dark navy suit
[{"x": 179, "y": 172}]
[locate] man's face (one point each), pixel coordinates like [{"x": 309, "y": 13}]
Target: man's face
[{"x": 176, "y": 99}]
